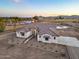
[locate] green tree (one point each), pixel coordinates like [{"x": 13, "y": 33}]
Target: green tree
[
  {"x": 2, "y": 25},
  {"x": 14, "y": 21},
  {"x": 60, "y": 17},
  {"x": 36, "y": 18}
]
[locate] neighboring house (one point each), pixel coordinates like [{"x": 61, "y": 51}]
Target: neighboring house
[
  {"x": 62, "y": 27},
  {"x": 25, "y": 22},
  {"x": 25, "y": 32}
]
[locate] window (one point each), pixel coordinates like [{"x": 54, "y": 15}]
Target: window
[
  {"x": 22, "y": 33},
  {"x": 54, "y": 38},
  {"x": 39, "y": 36},
  {"x": 46, "y": 38}
]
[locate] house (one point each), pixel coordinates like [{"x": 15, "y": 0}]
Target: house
[
  {"x": 45, "y": 37},
  {"x": 62, "y": 27},
  {"x": 25, "y": 32}
]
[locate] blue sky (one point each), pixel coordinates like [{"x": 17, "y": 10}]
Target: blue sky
[{"x": 38, "y": 7}]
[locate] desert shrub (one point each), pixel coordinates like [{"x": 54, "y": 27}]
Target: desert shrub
[{"x": 2, "y": 26}]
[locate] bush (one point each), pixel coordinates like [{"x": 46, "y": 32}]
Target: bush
[{"x": 2, "y": 27}]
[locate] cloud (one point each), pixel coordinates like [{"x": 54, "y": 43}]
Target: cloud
[{"x": 16, "y": 1}]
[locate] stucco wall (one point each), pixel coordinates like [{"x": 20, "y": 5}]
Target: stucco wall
[{"x": 27, "y": 34}]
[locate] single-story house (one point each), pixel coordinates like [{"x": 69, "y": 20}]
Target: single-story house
[
  {"x": 25, "y": 32},
  {"x": 47, "y": 37}
]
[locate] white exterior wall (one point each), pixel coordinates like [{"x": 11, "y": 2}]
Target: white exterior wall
[
  {"x": 38, "y": 38},
  {"x": 27, "y": 34},
  {"x": 42, "y": 39},
  {"x": 69, "y": 41}
]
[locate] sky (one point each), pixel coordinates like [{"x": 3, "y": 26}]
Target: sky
[{"x": 38, "y": 7}]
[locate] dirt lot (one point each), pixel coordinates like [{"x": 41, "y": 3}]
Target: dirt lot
[{"x": 33, "y": 49}]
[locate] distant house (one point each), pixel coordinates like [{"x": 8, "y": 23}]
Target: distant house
[
  {"x": 25, "y": 22},
  {"x": 62, "y": 27}
]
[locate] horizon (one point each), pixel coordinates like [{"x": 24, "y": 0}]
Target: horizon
[
  {"x": 39, "y": 16},
  {"x": 25, "y": 8}
]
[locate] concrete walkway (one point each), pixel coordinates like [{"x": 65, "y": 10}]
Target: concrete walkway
[{"x": 73, "y": 52}]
